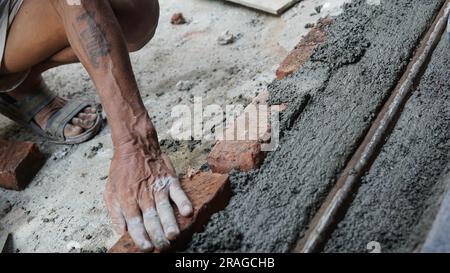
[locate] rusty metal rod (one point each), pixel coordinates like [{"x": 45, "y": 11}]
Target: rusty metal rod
[{"x": 323, "y": 223}]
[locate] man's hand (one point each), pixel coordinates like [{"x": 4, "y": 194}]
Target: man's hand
[
  {"x": 142, "y": 180},
  {"x": 138, "y": 195}
]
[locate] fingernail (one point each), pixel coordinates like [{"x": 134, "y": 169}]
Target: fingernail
[
  {"x": 163, "y": 244},
  {"x": 172, "y": 232},
  {"x": 186, "y": 210},
  {"x": 147, "y": 246}
]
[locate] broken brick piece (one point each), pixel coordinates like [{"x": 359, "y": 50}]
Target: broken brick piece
[
  {"x": 235, "y": 155},
  {"x": 253, "y": 123},
  {"x": 19, "y": 163},
  {"x": 303, "y": 51},
  {"x": 209, "y": 193},
  {"x": 178, "y": 19},
  {"x": 242, "y": 149}
]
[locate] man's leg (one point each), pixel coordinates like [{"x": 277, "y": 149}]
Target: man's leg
[
  {"x": 37, "y": 40},
  {"x": 142, "y": 179},
  {"x": 37, "y": 35}
]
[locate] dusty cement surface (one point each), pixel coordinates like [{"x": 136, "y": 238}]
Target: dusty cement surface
[
  {"x": 400, "y": 195},
  {"x": 63, "y": 207},
  {"x": 352, "y": 74}
]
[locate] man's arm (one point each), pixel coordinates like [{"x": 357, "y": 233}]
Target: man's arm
[{"x": 141, "y": 177}]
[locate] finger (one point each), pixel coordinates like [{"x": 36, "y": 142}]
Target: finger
[
  {"x": 176, "y": 192},
  {"x": 165, "y": 211},
  {"x": 151, "y": 221},
  {"x": 180, "y": 198},
  {"x": 137, "y": 231},
  {"x": 117, "y": 218},
  {"x": 135, "y": 225}
]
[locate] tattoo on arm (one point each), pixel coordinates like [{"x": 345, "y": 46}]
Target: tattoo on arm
[{"x": 95, "y": 41}]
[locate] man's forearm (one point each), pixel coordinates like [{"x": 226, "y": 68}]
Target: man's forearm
[
  {"x": 142, "y": 180},
  {"x": 97, "y": 39}
]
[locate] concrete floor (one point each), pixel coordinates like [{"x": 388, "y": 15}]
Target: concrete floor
[{"x": 62, "y": 210}]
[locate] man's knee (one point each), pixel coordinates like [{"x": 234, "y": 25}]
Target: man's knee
[{"x": 138, "y": 19}]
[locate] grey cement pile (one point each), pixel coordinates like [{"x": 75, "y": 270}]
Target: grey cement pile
[
  {"x": 397, "y": 202},
  {"x": 346, "y": 82}
]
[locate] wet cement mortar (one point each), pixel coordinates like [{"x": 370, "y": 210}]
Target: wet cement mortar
[
  {"x": 62, "y": 210},
  {"x": 398, "y": 199},
  {"x": 346, "y": 81}
]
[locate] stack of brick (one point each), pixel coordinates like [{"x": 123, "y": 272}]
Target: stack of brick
[
  {"x": 239, "y": 150},
  {"x": 236, "y": 152}
]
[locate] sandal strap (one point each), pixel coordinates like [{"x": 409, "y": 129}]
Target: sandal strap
[
  {"x": 30, "y": 106},
  {"x": 57, "y": 123}
]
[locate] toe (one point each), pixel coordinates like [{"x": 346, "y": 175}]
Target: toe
[
  {"x": 77, "y": 122},
  {"x": 90, "y": 110},
  {"x": 86, "y": 121},
  {"x": 89, "y": 117},
  {"x": 72, "y": 130},
  {"x": 77, "y": 126}
]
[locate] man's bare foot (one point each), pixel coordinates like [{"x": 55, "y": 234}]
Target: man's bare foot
[{"x": 83, "y": 121}]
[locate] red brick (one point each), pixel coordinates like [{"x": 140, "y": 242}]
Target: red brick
[
  {"x": 247, "y": 125},
  {"x": 238, "y": 151},
  {"x": 209, "y": 193},
  {"x": 19, "y": 163},
  {"x": 303, "y": 51},
  {"x": 235, "y": 155}
]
